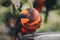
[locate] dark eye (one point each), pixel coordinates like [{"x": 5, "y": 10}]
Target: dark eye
[{"x": 6, "y": 4}]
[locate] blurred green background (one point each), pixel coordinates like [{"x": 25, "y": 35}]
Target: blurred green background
[
  {"x": 53, "y": 21},
  {"x": 52, "y": 24}
]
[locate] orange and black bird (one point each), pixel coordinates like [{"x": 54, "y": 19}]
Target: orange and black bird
[
  {"x": 30, "y": 20},
  {"x": 27, "y": 22}
]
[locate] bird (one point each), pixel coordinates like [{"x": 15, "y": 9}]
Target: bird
[{"x": 30, "y": 19}]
